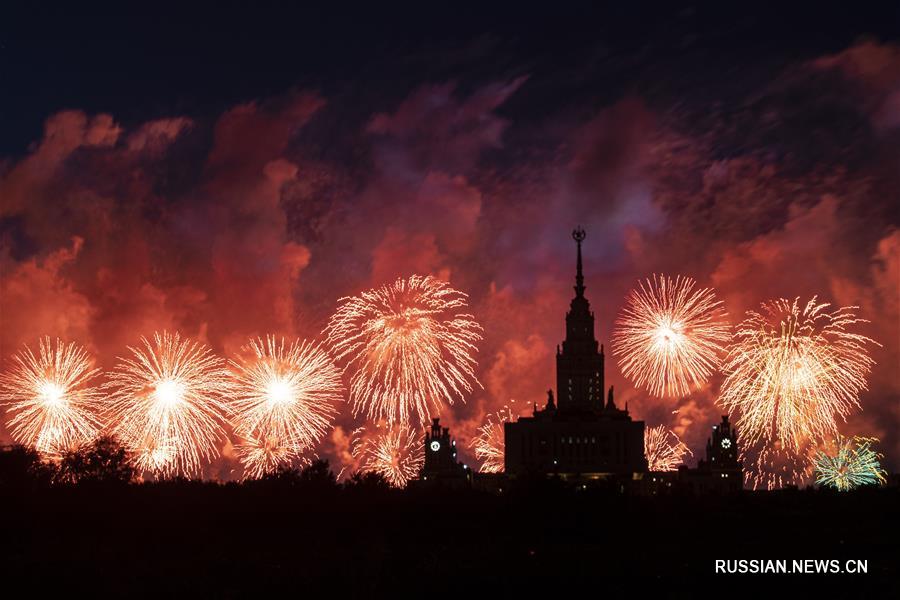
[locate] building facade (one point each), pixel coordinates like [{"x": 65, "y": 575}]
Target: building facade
[{"x": 579, "y": 435}]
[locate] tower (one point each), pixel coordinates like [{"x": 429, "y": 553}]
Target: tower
[
  {"x": 722, "y": 448},
  {"x": 721, "y": 472},
  {"x": 440, "y": 449},
  {"x": 576, "y": 435},
  {"x": 441, "y": 466},
  {"x": 579, "y": 363}
]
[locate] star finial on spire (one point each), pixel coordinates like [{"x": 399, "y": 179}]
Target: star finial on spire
[{"x": 578, "y": 234}]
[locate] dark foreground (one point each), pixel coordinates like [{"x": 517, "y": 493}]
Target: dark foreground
[{"x": 185, "y": 538}]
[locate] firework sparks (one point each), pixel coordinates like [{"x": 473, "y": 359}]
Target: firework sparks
[
  {"x": 285, "y": 401},
  {"x": 663, "y": 449},
  {"x": 53, "y": 405},
  {"x": 489, "y": 442},
  {"x": 168, "y": 404},
  {"x": 669, "y": 336},
  {"x": 409, "y": 347},
  {"x": 264, "y": 455},
  {"x": 792, "y": 372},
  {"x": 395, "y": 452},
  {"x": 776, "y": 466},
  {"x": 853, "y": 464}
]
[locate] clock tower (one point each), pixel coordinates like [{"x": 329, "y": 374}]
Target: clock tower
[
  {"x": 722, "y": 448},
  {"x": 441, "y": 465},
  {"x": 440, "y": 448}
]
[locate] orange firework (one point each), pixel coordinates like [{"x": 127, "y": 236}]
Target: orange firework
[
  {"x": 408, "y": 346},
  {"x": 395, "y": 452},
  {"x": 266, "y": 454},
  {"x": 669, "y": 336},
  {"x": 663, "y": 449},
  {"x": 776, "y": 466},
  {"x": 53, "y": 405},
  {"x": 792, "y": 372},
  {"x": 168, "y": 404},
  {"x": 285, "y": 401},
  {"x": 490, "y": 441}
]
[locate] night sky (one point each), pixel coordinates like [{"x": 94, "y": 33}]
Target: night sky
[{"x": 230, "y": 171}]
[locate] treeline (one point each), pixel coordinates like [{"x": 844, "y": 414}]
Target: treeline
[{"x": 105, "y": 462}]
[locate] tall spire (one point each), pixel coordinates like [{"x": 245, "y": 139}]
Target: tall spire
[
  {"x": 578, "y": 234},
  {"x": 579, "y": 363}
]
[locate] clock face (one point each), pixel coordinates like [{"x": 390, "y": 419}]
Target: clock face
[
  {"x": 435, "y": 446},
  {"x": 726, "y": 443}
]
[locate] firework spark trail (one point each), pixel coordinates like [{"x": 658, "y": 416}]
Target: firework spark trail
[
  {"x": 775, "y": 466},
  {"x": 663, "y": 449},
  {"x": 408, "y": 347},
  {"x": 791, "y": 372},
  {"x": 168, "y": 404},
  {"x": 669, "y": 336},
  {"x": 853, "y": 464},
  {"x": 395, "y": 452},
  {"x": 264, "y": 455},
  {"x": 285, "y": 400},
  {"x": 489, "y": 442},
  {"x": 53, "y": 405}
]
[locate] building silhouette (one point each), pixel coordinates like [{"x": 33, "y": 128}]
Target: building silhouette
[
  {"x": 579, "y": 437},
  {"x": 719, "y": 473},
  {"x": 441, "y": 467}
]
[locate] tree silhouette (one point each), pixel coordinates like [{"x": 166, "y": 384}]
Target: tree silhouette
[
  {"x": 368, "y": 482},
  {"x": 318, "y": 475},
  {"x": 103, "y": 461},
  {"x": 22, "y": 468},
  {"x": 315, "y": 479}
]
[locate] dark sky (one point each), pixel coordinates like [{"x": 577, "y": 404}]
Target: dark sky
[
  {"x": 152, "y": 60},
  {"x": 231, "y": 170}
]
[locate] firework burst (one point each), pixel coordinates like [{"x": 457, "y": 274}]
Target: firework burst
[
  {"x": 853, "y": 464},
  {"x": 669, "y": 336},
  {"x": 408, "y": 346},
  {"x": 395, "y": 452},
  {"x": 792, "y": 371},
  {"x": 285, "y": 399},
  {"x": 168, "y": 404},
  {"x": 489, "y": 442},
  {"x": 264, "y": 455},
  {"x": 53, "y": 405},
  {"x": 663, "y": 449}
]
